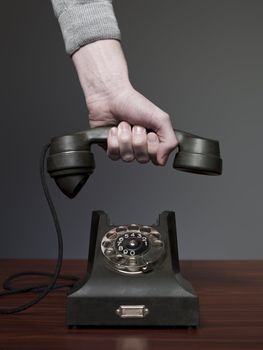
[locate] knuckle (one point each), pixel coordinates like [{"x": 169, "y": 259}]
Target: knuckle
[
  {"x": 165, "y": 117},
  {"x": 170, "y": 146},
  {"x": 138, "y": 142},
  {"x": 174, "y": 144},
  {"x": 152, "y": 152},
  {"x": 113, "y": 147},
  {"x": 124, "y": 138}
]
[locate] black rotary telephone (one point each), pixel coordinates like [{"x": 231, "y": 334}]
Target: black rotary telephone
[{"x": 133, "y": 276}]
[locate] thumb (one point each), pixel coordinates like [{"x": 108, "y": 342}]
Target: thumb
[{"x": 167, "y": 139}]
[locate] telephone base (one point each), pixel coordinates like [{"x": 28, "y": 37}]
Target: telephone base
[{"x": 160, "y": 297}]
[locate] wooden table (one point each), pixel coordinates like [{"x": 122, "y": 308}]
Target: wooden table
[{"x": 231, "y": 305}]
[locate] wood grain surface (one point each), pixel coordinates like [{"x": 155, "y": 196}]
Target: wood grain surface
[{"x": 231, "y": 306}]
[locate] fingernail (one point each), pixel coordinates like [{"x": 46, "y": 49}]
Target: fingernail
[
  {"x": 113, "y": 131},
  {"x": 152, "y": 137},
  {"x": 124, "y": 126},
  {"x": 138, "y": 129}
]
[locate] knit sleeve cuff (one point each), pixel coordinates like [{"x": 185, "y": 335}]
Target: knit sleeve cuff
[{"x": 85, "y": 23}]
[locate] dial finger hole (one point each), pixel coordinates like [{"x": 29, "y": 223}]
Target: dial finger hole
[
  {"x": 106, "y": 244},
  {"x": 111, "y": 235},
  {"x": 121, "y": 229},
  {"x": 133, "y": 227},
  {"x": 145, "y": 229},
  {"x": 157, "y": 243},
  {"x": 109, "y": 251}
]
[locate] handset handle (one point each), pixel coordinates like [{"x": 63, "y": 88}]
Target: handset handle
[
  {"x": 71, "y": 161},
  {"x": 195, "y": 154}
]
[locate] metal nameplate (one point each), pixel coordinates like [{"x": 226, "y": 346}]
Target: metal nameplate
[{"x": 132, "y": 311}]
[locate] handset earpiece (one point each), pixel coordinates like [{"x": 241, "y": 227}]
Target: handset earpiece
[
  {"x": 197, "y": 154},
  {"x": 71, "y": 161}
]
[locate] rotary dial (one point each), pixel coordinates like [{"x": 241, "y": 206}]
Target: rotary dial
[{"x": 132, "y": 249}]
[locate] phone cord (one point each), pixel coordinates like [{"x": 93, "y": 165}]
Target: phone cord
[{"x": 42, "y": 290}]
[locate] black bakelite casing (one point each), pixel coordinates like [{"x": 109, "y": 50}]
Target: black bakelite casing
[
  {"x": 170, "y": 298},
  {"x": 71, "y": 161}
]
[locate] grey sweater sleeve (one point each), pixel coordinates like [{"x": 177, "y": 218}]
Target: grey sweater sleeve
[{"x": 85, "y": 21}]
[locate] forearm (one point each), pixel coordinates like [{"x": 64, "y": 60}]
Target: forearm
[
  {"x": 103, "y": 74},
  {"x": 84, "y": 22},
  {"x": 102, "y": 70}
]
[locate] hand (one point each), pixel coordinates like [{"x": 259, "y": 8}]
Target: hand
[{"x": 112, "y": 100}]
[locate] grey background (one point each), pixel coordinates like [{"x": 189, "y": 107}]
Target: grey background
[{"x": 201, "y": 61}]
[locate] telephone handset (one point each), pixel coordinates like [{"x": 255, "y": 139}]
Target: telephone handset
[{"x": 71, "y": 161}]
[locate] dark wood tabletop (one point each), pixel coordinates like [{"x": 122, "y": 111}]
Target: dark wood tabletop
[{"x": 231, "y": 307}]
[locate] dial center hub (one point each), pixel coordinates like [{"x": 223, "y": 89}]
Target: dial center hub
[{"x": 132, "y": 243}]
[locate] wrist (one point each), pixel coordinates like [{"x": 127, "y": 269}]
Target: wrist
[{"x": 102, "y": 70}]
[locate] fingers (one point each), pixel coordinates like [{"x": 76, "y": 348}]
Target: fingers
[
  {"x": 132, "y": 143},
  {"x": 153, "y": 145},
  {"x": 139, "y": 143},
  {"x": 120, "y": 143},
  {"x": 125, "y": 142},
  {"x": 113, "y": 150}
]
